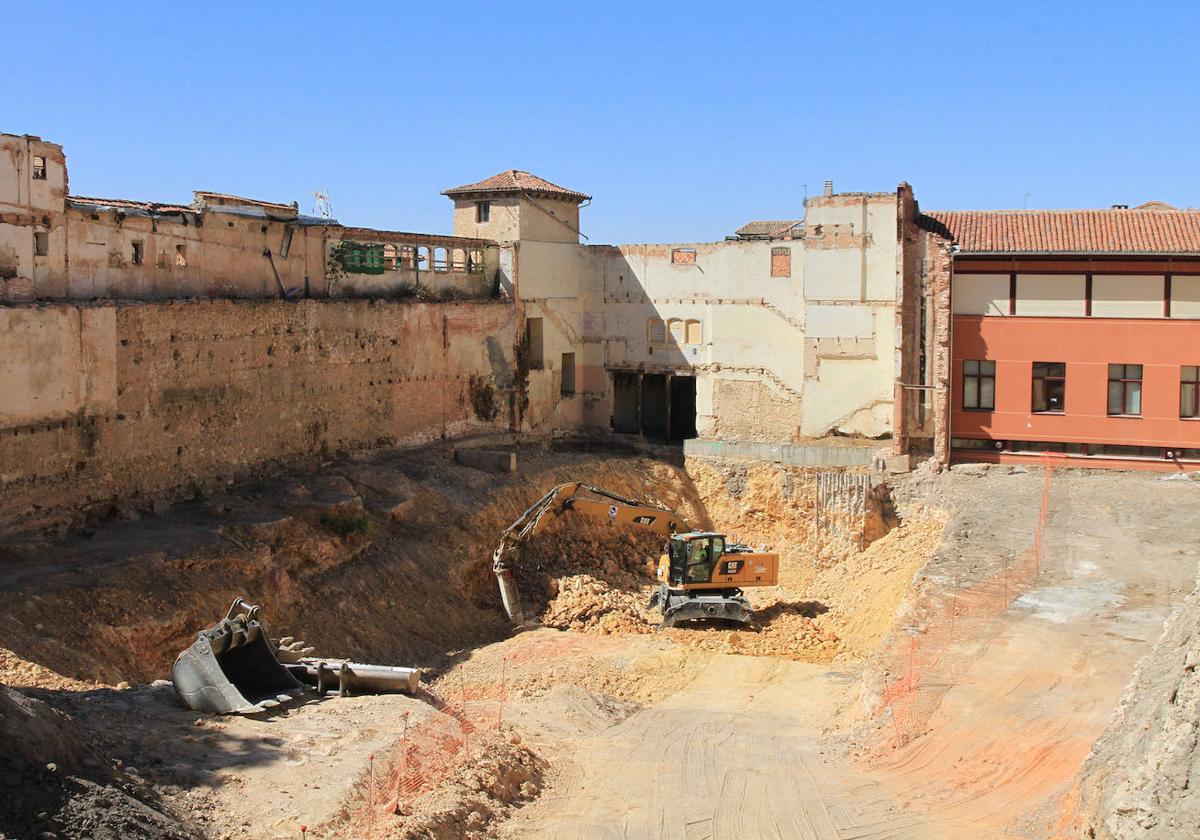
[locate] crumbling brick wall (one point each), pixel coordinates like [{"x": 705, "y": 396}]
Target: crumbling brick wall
[
  {"x": 166, "y": 395},
  {"x": 922, "y": 333}
]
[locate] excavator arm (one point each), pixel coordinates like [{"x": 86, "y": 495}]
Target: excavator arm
[{"x": 593, "y": 502}]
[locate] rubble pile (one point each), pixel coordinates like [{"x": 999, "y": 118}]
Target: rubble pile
[{"x": 591, "y": 605}]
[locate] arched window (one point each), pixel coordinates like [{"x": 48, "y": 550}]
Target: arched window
[{"x": 677, "y": 331}]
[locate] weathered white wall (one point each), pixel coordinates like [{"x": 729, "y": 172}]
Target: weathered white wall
[{"x": 779, "y": 358}]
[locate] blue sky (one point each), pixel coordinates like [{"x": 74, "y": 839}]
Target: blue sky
[{"x": 682, "y": 120}]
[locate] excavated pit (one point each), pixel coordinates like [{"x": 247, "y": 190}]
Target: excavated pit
[
  {"x": 897, "y": 675},
  {"x": 383, "y": 559}
]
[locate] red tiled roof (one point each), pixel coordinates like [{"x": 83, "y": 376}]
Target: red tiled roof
[
  {"x": 767, "y": 227},
  {"x": 514, "y": 180},
  {"x": 1152, "y": 228}
]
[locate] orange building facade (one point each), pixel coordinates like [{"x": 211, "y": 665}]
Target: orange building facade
[{"x": 1075, "y": 333}]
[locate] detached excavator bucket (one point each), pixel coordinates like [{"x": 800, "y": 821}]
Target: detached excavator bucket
[{"x": 231, "y": 668}]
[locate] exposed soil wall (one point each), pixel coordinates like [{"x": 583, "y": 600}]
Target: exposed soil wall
[
  {"x": 110, "y": 403},
  {"x": 1140, "y": 779}
]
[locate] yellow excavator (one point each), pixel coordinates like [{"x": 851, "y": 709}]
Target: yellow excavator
[{"x": 701, "y": 574}]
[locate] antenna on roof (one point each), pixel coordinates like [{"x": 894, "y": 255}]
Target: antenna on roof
[{"x": 321, "y": 205}]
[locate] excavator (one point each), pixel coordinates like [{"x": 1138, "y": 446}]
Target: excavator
[{"x": 701, "y": 574}]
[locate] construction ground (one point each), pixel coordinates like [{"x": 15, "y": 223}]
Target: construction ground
[{"x": 1014, "y": 658}]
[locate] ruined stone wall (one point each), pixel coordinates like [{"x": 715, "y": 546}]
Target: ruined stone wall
[{"x": 110, "y": 403}]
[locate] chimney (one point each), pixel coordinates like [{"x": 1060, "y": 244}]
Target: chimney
[{"x": 828, "y": 188}]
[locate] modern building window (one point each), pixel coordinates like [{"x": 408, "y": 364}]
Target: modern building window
[
  {"x": 483, "y": 211},
  {"x": 41, "y": 243},
  {"x": 1189, "y": 391},
  {"x": 533, "y": 343},
  {"x": 1125, "y": 390},
  {"x": 568, "y": 374},
  {"x": 781, "y": 262},
  {"x": 1049, "y": 387},
  {"x": 137, "y": 256},
  {"x": 979, "y": 385},
  {"x": 39, "y": 168}
]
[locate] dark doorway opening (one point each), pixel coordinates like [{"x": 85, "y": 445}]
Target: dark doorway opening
[
  {"x": 683, "y": 407},
  {"x": 626, "y": 390},
  {"x": 654, "y": 405},
  {"x": 660, "y": 406}
]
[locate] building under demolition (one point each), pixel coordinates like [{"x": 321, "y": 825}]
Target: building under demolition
[{"x": 960, "y": 335}]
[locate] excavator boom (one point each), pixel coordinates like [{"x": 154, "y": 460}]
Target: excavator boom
[{"x": 594, "y": 502}]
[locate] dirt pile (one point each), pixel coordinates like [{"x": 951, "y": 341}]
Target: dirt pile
[
  {"x": 496, "y": 773},
  {"x": 864, "y": 591},
  {"x": 21, "y": 673},
  {"x": 591, "y": 605},
  {"x": 55, "y": 785}
]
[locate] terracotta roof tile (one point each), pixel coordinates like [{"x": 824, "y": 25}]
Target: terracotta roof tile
[
  {"x": 768, "y": 227},
  {"x": 1153, "y": 228},
  {"x": 517, "y": 181}
]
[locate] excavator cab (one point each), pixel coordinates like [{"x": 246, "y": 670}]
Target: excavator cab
[{"x": 693, "y": 556}]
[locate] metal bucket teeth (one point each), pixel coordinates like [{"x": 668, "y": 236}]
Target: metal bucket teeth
[{"x": 231, "y": 668}]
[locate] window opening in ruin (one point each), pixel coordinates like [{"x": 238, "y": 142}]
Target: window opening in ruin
[
  {"x": 41, "y": 243},
  {"x": 39, "y": 168},
  {"x": 423, "y": 258},
  {"x": 1049, "y": 387},
  {"x": 1125, "y": 390},
  {"x": 458, "y": 259},
  {"x": 695, "y": 332},
  {"x": 408, "y": 258},
  {"x": 389, "y": 257},
  {"x": 656, "y": 331},
  {"x": 181, "y": 256},
  {"x": 475, "y": 261},
  {"x": 568, "y": 375},
  {"x": 677, "y": 332},
  {"x": 683, "y": 256},
  {"x": 1189, "y": 391},
  {"x": 483, "y": 211},
  {"x": 439, "y": 260},
  {"x": 138, "y": 253},
  {"x": 533, "y": 343},
  {"x": 979, "y": 385},
  {"x": 781, "y": 262}
]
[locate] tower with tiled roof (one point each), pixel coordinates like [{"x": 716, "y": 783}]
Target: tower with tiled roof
[{"x": 517, "y": 205}]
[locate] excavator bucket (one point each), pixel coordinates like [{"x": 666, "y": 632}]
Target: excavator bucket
[{"x": 231, "y": 668}]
